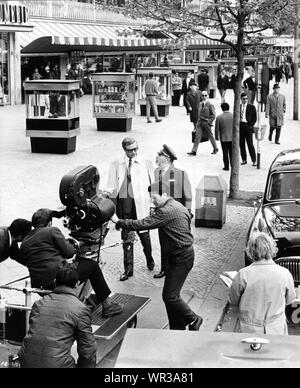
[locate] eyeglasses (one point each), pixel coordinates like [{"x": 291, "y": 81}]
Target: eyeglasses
[
  {"x": 132, "y": 150},
  {"x": 204, "y": 95},
  {"x": 244, "y": 98}
]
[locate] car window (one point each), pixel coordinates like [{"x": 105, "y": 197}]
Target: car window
[{"x": 284, "y": 186}]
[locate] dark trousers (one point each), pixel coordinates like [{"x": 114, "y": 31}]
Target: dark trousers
[
  {"x": 177, "y": 266},
  {"x": 89, "y": 270},
  {"x": 204, "y": 127},
  {"x": 277, "y": 133},
  {"x": 246, "y": 136},
  {"x": 185, "y": 103},
  {"x": 176, "y": 97},
  {"x": 128, "y": 249},
  {"x": 227, "y": 153}
]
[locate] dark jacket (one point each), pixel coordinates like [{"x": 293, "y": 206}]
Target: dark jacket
[
  {"x": 185, "y": 89},
  {"x": 251, "y": 115},
  {"x": 7, "y": 250},
  {"x": 179, "y": 184},
  {"x": 249, "y": 84},
  {"x": 43, "y": 251},
  {"x": 203, "y": 81},
  {"x": 222, "y": 82},
  {"x": 56, "y": 321},
  {"x": 193, "y": 101}
]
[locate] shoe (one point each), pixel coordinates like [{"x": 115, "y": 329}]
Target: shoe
[
  {"x": 270, "y": 139},
  {"x": 214, "y": 152},
  {"x": 277, "y": 142},
  {"x": 149, "y": 121},
  {"x": 254, "y": 164},
  {"x": 244, "y": 162},
  {"x": 125, "y": 276},
  {"x": 159, "y": 275},
  {"x": 195, "y": 326},
  {"x": 151, "y": 266},
  {"x": 111, "y": 310},
  {"x": 191, "y": 153},
  {"x": 226, "y": 168},
  {"x": 158, "y": 120}
]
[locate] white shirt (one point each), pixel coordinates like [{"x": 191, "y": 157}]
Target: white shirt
[{"x": 243, "y": 119}]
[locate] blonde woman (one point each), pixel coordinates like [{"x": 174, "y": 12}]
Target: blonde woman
[{"x": 262, "y": 290}]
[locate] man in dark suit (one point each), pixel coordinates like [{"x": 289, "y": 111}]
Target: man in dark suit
[
  {"x": 44, "y": 251},
  {"x": 203, "y": 80},
  {"x": 176, "y": 180},
  {"x": 10, "y": 236},
  {"x": 223, "y": 131},
  {"x": 247, "y": 120},
  {"x": 186, "y": 88}
]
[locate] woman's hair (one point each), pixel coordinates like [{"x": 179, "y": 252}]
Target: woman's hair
[{"x": 261, "y": 247}]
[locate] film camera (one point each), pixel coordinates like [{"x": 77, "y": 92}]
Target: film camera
[{"x": 86, "y": 212}]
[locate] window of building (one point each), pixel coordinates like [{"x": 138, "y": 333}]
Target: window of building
[{"x": 4, "y": 66}]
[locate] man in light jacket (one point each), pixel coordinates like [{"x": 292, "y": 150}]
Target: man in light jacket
[
  {"x": 223, "y": 131},
  {"x": 128, "y": 180},
  {"x": 275, "y": 110}
]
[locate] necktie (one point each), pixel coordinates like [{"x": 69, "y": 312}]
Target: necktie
[
  {"x": 129, "y": 169},
  {"x": 160, "y": 181},
  {"x": 242, "y": 111}
]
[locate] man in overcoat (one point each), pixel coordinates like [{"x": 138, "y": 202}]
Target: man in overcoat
[
  {"x": 176, "y": 180},
  {"x": 128, "y": 180},
  {"x": 275, "y": 110},
  {"x": 223, "y": 131},
  {"x": 193, "y": 99}
]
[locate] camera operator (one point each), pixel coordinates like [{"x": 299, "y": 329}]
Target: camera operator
[{"x": 45, "y": 250}]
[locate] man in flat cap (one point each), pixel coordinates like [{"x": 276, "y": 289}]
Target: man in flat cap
[
  {"x": 275, "y": 110},
  {"x": 177, "y": 181}
]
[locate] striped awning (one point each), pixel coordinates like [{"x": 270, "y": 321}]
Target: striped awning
[{"x": 74, "y": 34}]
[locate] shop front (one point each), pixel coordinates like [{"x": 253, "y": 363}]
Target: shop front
[{"x": 13, "y": 19}]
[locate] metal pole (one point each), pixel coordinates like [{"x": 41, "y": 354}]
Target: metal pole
[
  {"x": 258, "y": 131},
  {"x": 27, "y": 303},
  {"x": 296, "y": 63}
]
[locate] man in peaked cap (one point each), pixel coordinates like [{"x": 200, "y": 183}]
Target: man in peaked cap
[{"x": 176, "y": 180}]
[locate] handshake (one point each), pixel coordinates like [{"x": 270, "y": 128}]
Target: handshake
[{"x": 74, "y": 242}]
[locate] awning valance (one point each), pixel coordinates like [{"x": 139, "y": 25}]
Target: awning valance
[{"x": 60, "y": 34}]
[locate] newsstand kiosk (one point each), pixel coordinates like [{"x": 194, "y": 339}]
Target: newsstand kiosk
[
  {"x": 163, "y": 99},
  {"x": 52, "y": 115},
  {"x": 113, "y": 101}
]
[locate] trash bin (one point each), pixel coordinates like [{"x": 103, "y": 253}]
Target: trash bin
[{"x": 211, "y": 202}]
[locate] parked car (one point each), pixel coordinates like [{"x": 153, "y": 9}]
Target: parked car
[{"x": 279, "y": 211}]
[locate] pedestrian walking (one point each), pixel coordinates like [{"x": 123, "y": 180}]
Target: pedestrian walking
[
  {"x": 193, "y": 99},
  {"x": 128, "y": 180},
  {"x": 203, "y": 80},
  {"x": 173, "y": 221},
  {"x": 176, "y": 82},
  {"x": 56, "y": 321},
  {"x": 151, "y": 91},
  {"x": 223, "y": 132},
  {"x": 222, "y": 84},
  {"x": 247, "y": 120},
  {"x": 278, "y": 74},
  {"x": 207, "y": 115},
  {"x": 186, "y": 89},
  {"x": 275, "y": 110},
  {"x": 262, "y": 290},
  {"x": 287, "y": 71},
  {"x": 177, "y": 181}
]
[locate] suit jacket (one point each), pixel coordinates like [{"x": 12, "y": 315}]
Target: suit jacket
[
  {"x": 251, "y": 115},
  {"x": 178, "y": 182},
  {"x": 275, "y": 109},
  {"x": 224, "y": 127},
  {"x": 7, "y": 250},
  {"x": 142, "y": 175},
  {"x": 185, "y": 88},
  {"x": 207, "y": 112}
]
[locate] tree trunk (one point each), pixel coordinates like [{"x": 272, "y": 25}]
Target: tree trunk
[{"x": 235, "y": 169}]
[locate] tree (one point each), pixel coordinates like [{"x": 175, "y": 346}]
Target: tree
[{"x": 238, "y": 24}]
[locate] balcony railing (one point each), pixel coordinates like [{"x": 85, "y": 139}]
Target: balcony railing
[{"x": 74, "y": 11}]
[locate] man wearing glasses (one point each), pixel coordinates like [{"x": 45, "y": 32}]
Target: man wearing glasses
[
  {"x": 128, "y": 180},
  {"x": 207, "y": 114},
  {"x": 247, "y": 121}
]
